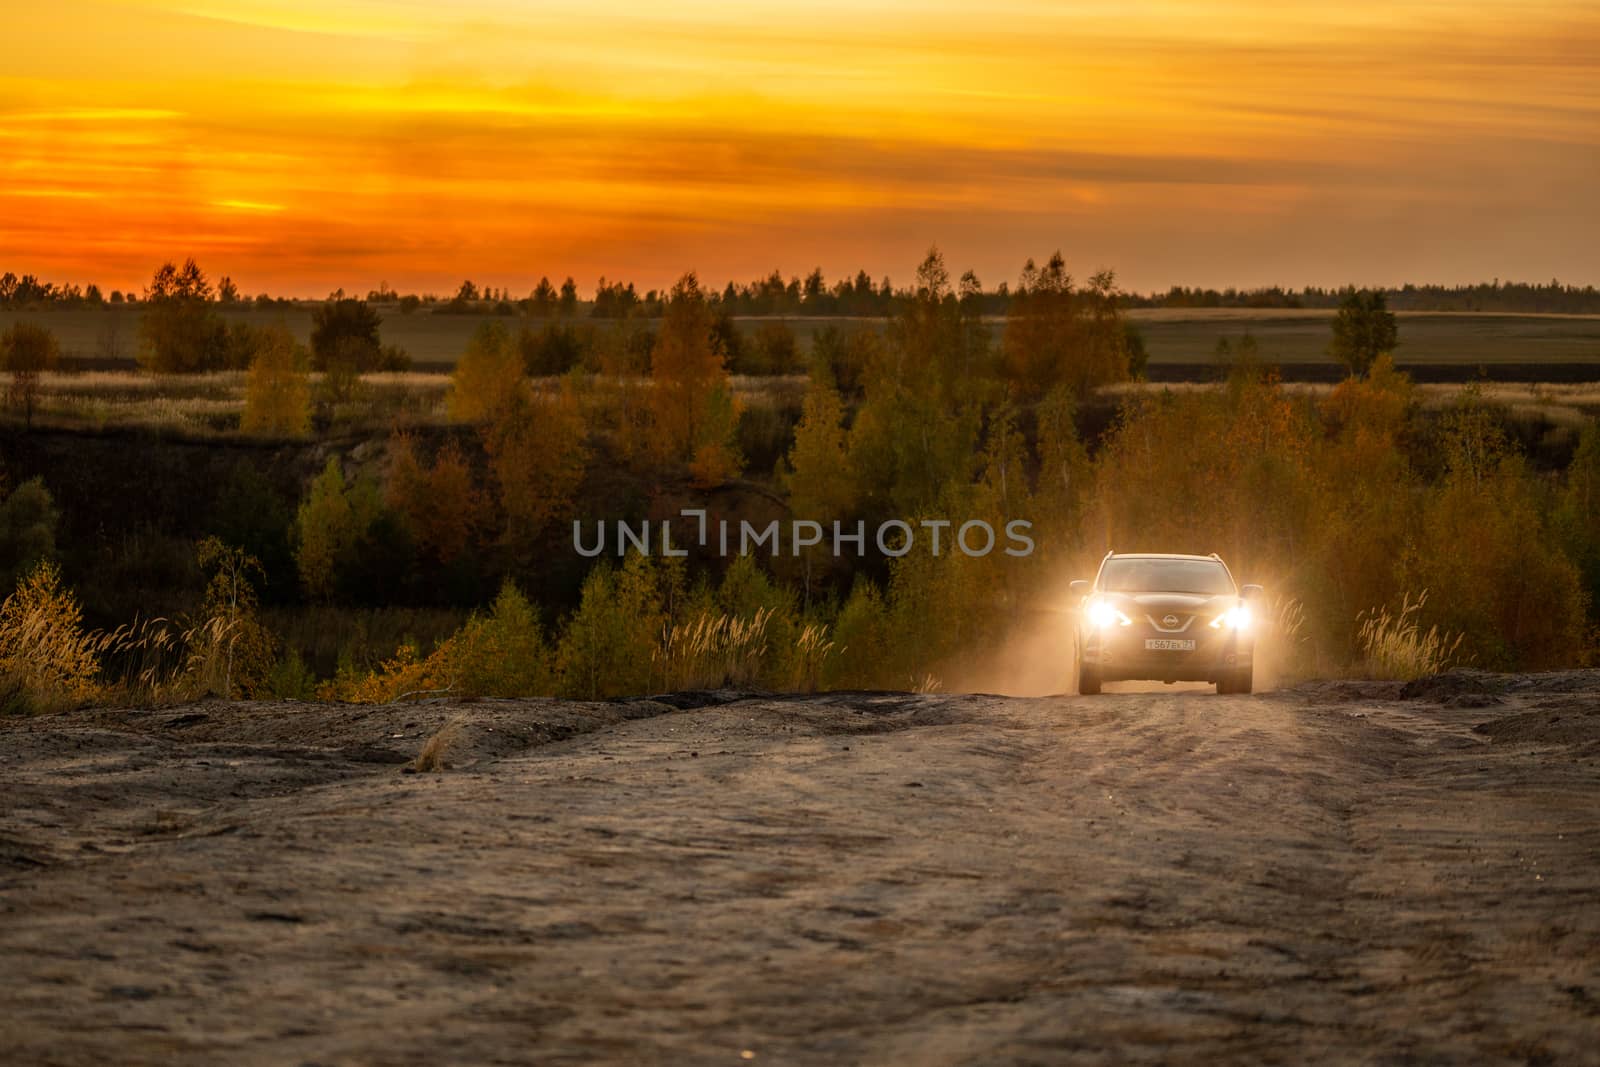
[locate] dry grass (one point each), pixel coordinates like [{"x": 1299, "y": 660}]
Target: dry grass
[
  {"x": 712, "y": 651},
  {"x": 812, "y": 650},
  {"x": 211, "y": 405},
  {"x": 434, "y": 750},
  {"x": 1396, "y": 647}
]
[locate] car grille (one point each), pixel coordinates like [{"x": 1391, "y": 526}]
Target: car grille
[{"x": 1170, "y": 622}]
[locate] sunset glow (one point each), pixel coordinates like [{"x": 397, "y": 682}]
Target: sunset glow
[{"x": 301, "y": 145}]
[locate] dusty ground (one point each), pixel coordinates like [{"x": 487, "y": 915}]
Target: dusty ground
[{"x": 1342, "y": 872}]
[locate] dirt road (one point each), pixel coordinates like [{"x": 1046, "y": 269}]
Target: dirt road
[{"x": 1335, "y": 873}]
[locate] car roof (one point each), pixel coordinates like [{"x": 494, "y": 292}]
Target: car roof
[{"x": 1163, "y": 555}]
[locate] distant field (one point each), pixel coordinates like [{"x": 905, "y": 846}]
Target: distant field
[{"x": 1172, "y": 335}]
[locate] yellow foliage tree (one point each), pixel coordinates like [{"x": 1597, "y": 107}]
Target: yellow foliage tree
[
  {"x": 487, "y": 377},
  {"x": 537, "y": 454},
  {"x": 277, "y": 391},
  {"x": 693, "y": 415},
  {"x": 330, "y": 526},
  {"x": 1059, "y": 333}
]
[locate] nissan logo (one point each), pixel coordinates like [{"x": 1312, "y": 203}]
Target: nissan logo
[{"x": 1170, "y": 620}]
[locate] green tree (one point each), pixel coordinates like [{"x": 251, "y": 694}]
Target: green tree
[
  {"x": 607, "y": 646},
  {"x": 27, "y": 350},
  {"x": 27, "y": 530},
  {"x": 338, "y": 528},
  {"x": 1363, "y": 330}
]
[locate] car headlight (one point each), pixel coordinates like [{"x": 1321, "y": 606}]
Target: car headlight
[
  {"x": 1235, "y": 618},
  {"x": 1104, "y": 615}
]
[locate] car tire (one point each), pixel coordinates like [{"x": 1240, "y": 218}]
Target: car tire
[
  {"x": 1088, "y": 681},
  {"x": 1235, "y": 683}
]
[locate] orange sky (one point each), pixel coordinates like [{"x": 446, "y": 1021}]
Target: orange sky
[{"x": 302, "y": 145}]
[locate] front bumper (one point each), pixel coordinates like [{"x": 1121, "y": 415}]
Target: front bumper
[{"x": 1119, "y": 653}]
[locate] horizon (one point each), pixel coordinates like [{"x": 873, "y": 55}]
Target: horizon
[
  {"x": 301, "y": 146},
  {"x": 589, "y": 296}
]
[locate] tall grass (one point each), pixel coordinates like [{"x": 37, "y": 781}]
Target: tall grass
[
  {"x": 46, "y": 660},
  {"x": 710, "y": 651},
  {"x": 1395, "y": 646}
]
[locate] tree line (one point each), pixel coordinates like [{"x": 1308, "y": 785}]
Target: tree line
[
  {"x": 1352, "y": 506},
  {"x": 855, "y": 296}
]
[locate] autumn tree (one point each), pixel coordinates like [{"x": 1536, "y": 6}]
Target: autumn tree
[
  {"x": 438, "y": 501},
  {"x": 180, "y": 331},
  {"x": 488, "y": 375},
  {"x": 537, "y": 452},
  {"x": 1578, "y": 512},
  {"x": 817, "y": 470},
  {"x": 231, "y": 651},
  {"x": 1060, "y": 334},
  {"x": 916, "y": 431},
  {"x": 1363, "y": 330},
  {"x": 692, "y": 408},
  {"x": 27, "y": 350},
  {"x": 1486, "y": 553},
  {"x": 345, "y": 329},
  {"x": 277, "y": 392}
]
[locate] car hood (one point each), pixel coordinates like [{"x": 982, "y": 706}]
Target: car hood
[{"x": 1158, "y": 604}]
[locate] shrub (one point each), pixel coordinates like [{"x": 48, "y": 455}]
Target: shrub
[
  {"x": 502, "y": 654},
  {"x": 46, "y": 660},
  {"x": 291, "y": 679}
]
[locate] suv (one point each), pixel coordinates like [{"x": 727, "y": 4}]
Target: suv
[{"x": 1166, "y": 618}]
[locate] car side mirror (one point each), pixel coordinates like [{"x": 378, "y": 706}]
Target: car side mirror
[
  {"x": 1080, "y": 588},
  {"x": 1251, "y": 592}
]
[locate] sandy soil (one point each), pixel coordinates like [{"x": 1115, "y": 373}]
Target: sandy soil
[{"x": 1345, "y": 872}]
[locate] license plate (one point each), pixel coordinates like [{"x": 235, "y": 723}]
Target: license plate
[{"x": 1167, "y": 644}]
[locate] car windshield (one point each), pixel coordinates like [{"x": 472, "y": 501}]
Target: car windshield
[{"x": 1131, "y": 575}]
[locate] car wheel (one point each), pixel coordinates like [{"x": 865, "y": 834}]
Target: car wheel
[
  {"x": 1088, "y": 680},
  {"x": 1234, "y": 683},
  {"x": 1244, "y": 680}
]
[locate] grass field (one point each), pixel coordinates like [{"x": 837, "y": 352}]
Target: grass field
[{"x": 1172, "y": 335}]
